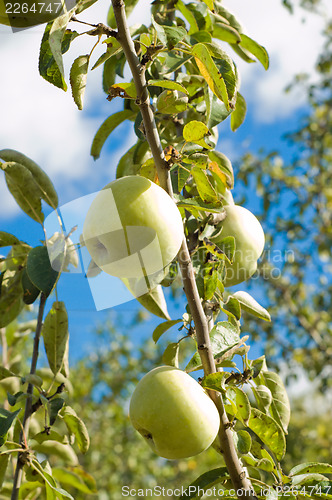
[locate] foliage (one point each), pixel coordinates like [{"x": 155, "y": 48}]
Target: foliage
[{"x": 185, "y": 76}]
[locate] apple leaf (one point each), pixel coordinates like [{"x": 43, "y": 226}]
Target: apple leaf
[
  {"x": 75, "y": 478},
  {"x": 225, "y": 32},
  {"x": 183, "y": 175},
  {"x": 215, "y": 381},
  {"x": 163, "y": 327},
  {"x": 280, "y": 406},
  {"x": 30, "y": 291},
  {"x": 106, "y": 129},
  {"x": 40, "y": 271},
  {"x": 7, "y": 418},
  {"x": 256, "y": 49},
  {"x": 169, "y": 35},
  {"x": 168, "y": 84},
  {"x": 196, "y": 131},
  {"x": 171, "y": 355},
  {"x": 7, "y": 239},
  {"x": 249, "y": 304},
  {"x": 54, "y": 406},
  {"x": 196, "y": 204},
  {"x": 154, "y": 302},
  {"x": 269, "y": 431},
  {"x": 263, "y": 397},
  {"x": 48, "y": 67},
  {"x": 52, "y": 491},
  {"x": 210, "y": 72},
  {"x": 216, "y": 111},
  {"x": 77, "y": 427},
  {"x": 204, "y": 187},
  {"x": 11, "y": 302},
  {"x": 239, "y": 113},
  {"x": 55, "y": 334},
  {"x": 241, "y": 401},
  {"x": 24, "y": 189},
  {"x": 232, "y": 307},
  {"x": 5, "y": 373},
  {"x": 243, "y": 441},
  {"x": 48, "y": 192},
  {"x": 205, "y": 482},
  {"x": 78, "y": 79},
  {"x": 311, "y": 467}
]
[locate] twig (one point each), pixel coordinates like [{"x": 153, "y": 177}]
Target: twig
[
  {"x": 240, "y": 482},
  {"x": 28, "y": 405}
]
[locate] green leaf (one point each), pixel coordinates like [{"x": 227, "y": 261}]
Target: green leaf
[
  {"x": 197, "y": 204},
  {"x": 55, "y": 334},
  {"x": 56, "y": 35},
  {"x": 76, "y": 478},
  {"x": 263, "y": 397},
  {"x": 233, "y": 307},
  {"x": 311, "y": 467},
  {"x": 269, "y": 431},
  {"x": 171, "y": 102},
  {"x": 106, "y": 128},
  {"x": 249, "y": 304},
  {"x": 224, "y": 31},
  {"x": 227, "y": 246},
  {"x": 30, "y": 291},
  {"x": 189, "y": 16},
  {"x": 11, "y": 302},
  {"x": 196, "y": 131},
  {"x": 239, "y": 113},
  {"x": 216, "y": 111},
  {"x": 204, "y": 186},
  {"x": 226, "y": 67},
  {"x": 7, "y": 239},
  {"x": 7, "y": 418},
  {"x": 48, "y": 192},
  {"x": 48, "y": 67},
  {"x": 3, "y": 468},
  {"x": 51, "y": 435},
  {"x": 241, "y": 402},
  {"x": 78, "y": 79},
  {"x": 169, "y": 35},
  {"x": 256, "y": 49},
  {"x": 24, "y": 189},
  {"x": 223, "y": 337},
  {"x": 54, "y": 406},
  {"x": 40, "y": 271},
  {"x": 171, "y": 355},
  {"x": 215, "y": 381},
  {"x": 205, "y": 482},
  {"x": 163, "y": 327},
  {"x": 183, "y": 175},
  {"x": 309, "y": 480},
  {"x": 243, "y": 442},
  {"x": 52, "y": 491},
  {"x": 168, "y": 84},
  {"x": 76, "y": 427},
  {"x": 153, "y": 301},
  {"x": 5, "y": 373},
  {"x": 210, "y": 72},
  {"x": 113, "y": 48},
  {"x": 280, "y": 406}
]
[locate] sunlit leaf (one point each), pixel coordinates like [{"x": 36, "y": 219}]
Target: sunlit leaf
[{"x": 55, "y": 334}]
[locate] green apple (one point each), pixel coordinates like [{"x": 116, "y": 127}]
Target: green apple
[
  {"x": 249, "y": 240},
  {"x": 27, "y": 13},
  {"x": 133, "y": 229},
  {"x": 173, "y": 413}
]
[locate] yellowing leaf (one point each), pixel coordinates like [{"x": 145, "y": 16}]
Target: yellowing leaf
[
  {"x": 78, "y": 77},
  {"x": 210, "y": 72}
]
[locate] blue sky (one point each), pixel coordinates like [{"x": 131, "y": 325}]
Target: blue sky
[{"x": 42, "y": 122}]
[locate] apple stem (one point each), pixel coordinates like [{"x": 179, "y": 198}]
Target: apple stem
[{"x": 239, "y": 479}]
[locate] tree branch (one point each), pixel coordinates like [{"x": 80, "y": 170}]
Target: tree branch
[
  {"x": 28, "y": 405},
  {"x": 240, "y": 481}
]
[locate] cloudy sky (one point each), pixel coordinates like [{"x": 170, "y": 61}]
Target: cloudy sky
[{"x": 43, "y": 122}]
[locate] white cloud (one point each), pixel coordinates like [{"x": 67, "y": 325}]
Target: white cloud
[{"x": 293, "y": 43}]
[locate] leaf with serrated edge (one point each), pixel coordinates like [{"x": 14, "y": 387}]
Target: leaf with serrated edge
[
  {"x": 269, "y": 431},
  {"x": 76, "y": 426},
  {"x": 55, "y": 334}
]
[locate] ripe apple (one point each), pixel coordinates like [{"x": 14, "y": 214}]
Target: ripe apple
[
  {"x": 28, "y": 13},
  {"x": 249, "y": 240},
  {"x": 133, "y": 229},
  {"x": 173, "y": 413}
]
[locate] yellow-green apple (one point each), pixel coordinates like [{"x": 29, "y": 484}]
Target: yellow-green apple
[
  {"x": 133, "y": 229},
  {"x": 173, "y": 413},
  {"x": 249, "y": 241},
  {"x": 28, "y": 13}
]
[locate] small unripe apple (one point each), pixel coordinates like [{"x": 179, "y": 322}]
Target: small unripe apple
[
  {"x": 173, "y": 413},
  {"x": 27, "y": 13},
  {"x": 249, "y": 240},
  {"x": 133, "y": 228}
]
